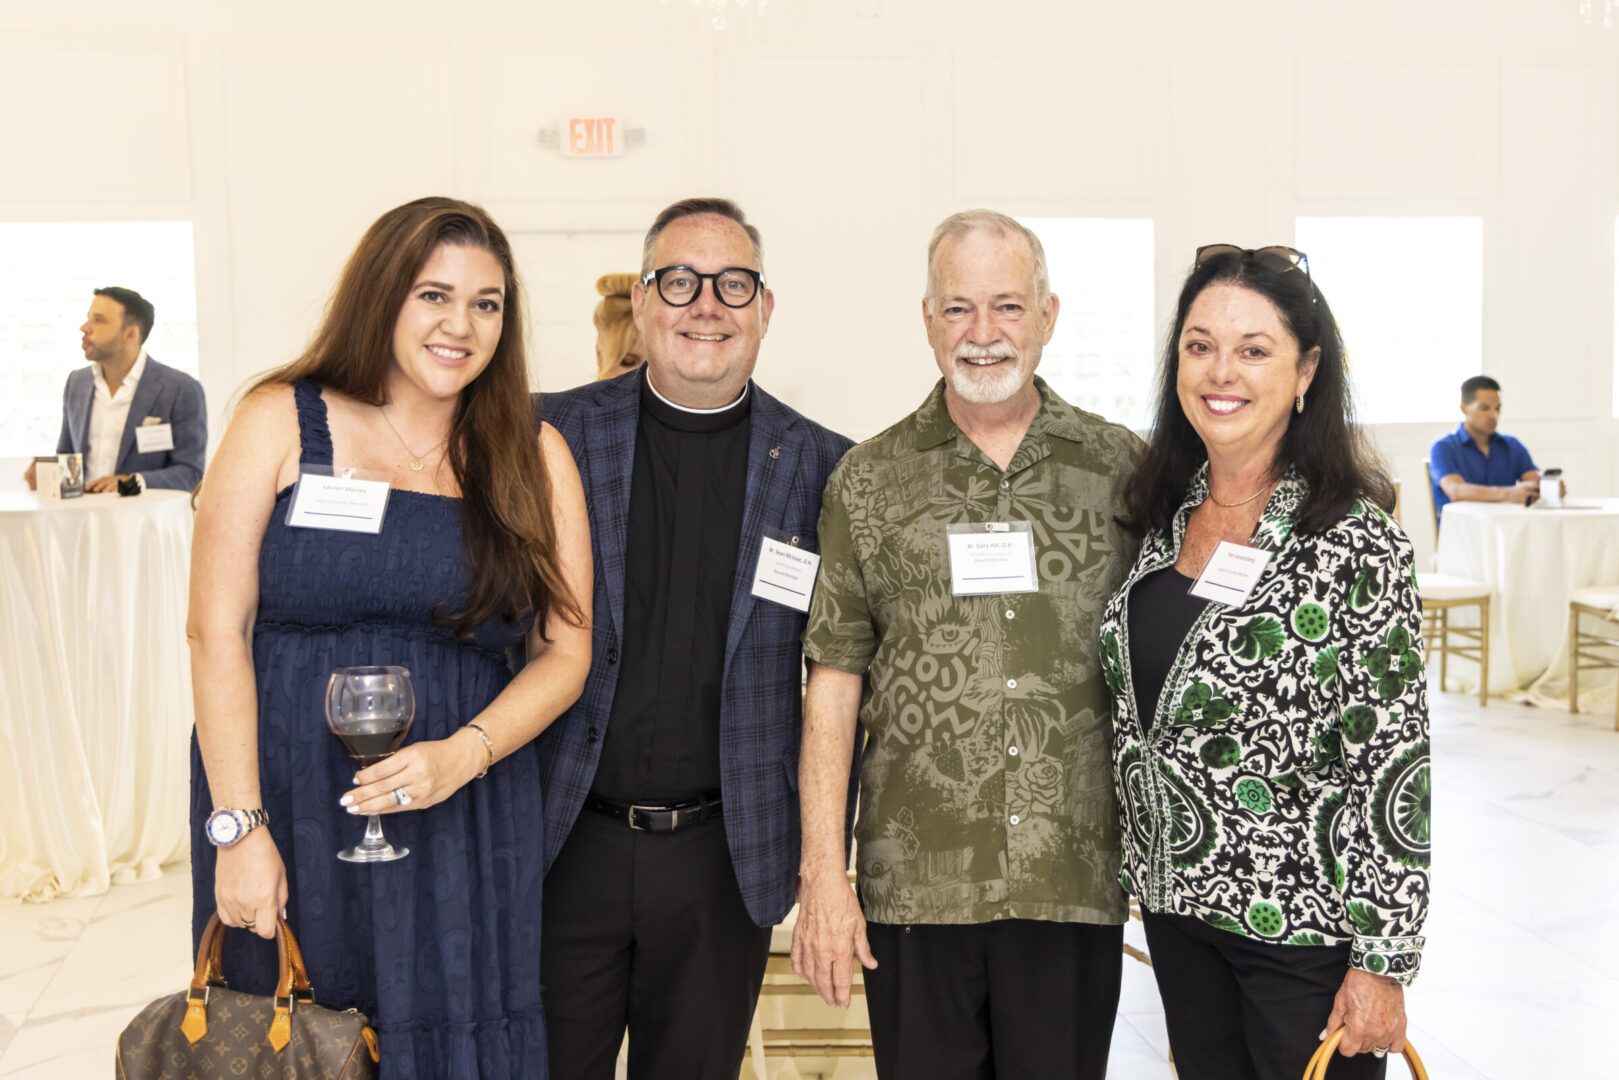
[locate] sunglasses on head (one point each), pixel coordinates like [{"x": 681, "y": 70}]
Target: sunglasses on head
[{"x": 1277, "y": 257}]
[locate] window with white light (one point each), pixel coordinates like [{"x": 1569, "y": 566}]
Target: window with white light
[
  {"x": 1408, "y": 294},
  {"x": 1102, "y": 356},
  {"x": 47, "y": 278}
]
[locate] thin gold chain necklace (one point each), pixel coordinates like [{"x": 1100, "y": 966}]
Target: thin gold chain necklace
[
  {"x": 415, "y": 458},
  {"x": 1217, "y": 502}
]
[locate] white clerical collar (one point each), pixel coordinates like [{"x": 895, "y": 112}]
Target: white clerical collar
[{"x": 696, "y": 412}]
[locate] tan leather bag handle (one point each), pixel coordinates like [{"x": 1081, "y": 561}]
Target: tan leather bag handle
[
  {"x": 292, "y": 979},
  {"x": 1317, "y": 1068}
]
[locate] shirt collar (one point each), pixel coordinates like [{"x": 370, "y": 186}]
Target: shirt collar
[
  {"x": 740, "y": 398},
  {"x": 1275, "y": 522},
  {"x": 1463, "y": 437},
  {"x": 682, "y": 418},
  {"x": 130, "y": 380}
]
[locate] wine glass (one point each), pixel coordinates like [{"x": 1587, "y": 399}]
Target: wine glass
[{"x": 370, "y": 710}]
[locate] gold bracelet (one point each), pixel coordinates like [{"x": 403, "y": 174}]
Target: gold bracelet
[{"x": 488, "y": 748}]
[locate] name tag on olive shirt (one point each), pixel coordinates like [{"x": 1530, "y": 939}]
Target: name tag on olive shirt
[
  {"x": 785, "y": 574},
  {"x": 992, "y": 557},
  {"x": 1231, "y": 574}
]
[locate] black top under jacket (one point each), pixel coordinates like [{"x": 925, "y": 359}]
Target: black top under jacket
[
  {"x": 1162, "y": 611},
  {"x": 687, "y": 490}
]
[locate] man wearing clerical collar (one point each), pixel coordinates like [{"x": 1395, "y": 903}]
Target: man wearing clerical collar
[
  {"x": 968, "y": 553},
  {"x": 670, "y": 813},
  {"x": 1476, "y": 463}
]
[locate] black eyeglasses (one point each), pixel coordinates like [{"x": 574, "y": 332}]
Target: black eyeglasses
[
  {"x": 735, "y": 286},
  {"x": 1277, "y": 257}
]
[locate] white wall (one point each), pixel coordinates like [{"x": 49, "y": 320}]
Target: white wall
[{"x": 846, "y": 128}]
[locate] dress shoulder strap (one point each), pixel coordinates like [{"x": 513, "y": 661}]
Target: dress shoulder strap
[{"x": 314, "y": 437}]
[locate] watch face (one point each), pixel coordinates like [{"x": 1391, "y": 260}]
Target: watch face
[{"x": 223, "y": 828}]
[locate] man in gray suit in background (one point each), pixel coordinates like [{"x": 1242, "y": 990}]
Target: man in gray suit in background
[{"x": 131, "y": 417}]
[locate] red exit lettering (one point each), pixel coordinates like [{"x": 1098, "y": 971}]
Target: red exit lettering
[{"x": 591, "y": 136}]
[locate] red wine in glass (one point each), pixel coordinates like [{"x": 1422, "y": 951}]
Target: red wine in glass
[
  {"x": 370, "y": 709},
  {"x": 369, "y": 747}
]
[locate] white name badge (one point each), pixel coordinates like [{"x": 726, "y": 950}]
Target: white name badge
[
  {"x": 1231, "y": 574},
  {"x": 992, "y": 557},
  {"x": 785, "y": 574},
  {"x": 151, "y": 438},
  {"x": 346, "y": 503}
]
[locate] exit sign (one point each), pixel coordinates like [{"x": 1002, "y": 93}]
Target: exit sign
[{"x": 592, "y": 136}]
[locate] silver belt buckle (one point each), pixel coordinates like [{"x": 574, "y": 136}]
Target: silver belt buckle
[{"x": 631, "y": 817}]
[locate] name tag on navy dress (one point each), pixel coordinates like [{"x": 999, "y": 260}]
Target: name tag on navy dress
[{"x": 348, "y": 501}]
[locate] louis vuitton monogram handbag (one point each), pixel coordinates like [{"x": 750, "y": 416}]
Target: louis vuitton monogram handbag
[{"x": 209, "y": 1032}]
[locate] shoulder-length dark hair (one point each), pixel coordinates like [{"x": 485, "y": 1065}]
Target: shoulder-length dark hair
[
  {"x": 1323, "y": 443},
  {"x": 507, "y": 532}
]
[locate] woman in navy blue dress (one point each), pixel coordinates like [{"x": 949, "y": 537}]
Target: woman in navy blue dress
[{"x": 418, "y": 374}]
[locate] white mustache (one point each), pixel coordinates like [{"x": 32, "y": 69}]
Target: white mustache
[{"x": 999, "y": 351}]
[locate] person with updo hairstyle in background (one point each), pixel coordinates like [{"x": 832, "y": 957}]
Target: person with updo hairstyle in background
[{"x": 618, "y": 343}]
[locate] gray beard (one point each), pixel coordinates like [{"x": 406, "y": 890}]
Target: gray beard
[{"x": 986, "y": 388}]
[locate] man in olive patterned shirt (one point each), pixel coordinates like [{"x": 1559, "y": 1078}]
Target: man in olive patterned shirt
[{"x": 988, "y": 835}]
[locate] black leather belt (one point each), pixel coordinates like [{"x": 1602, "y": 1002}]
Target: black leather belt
[{"x": 657, "y": 817}]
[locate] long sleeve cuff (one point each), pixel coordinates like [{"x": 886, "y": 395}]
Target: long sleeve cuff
[
  {"x": 140, "y": 479},
  {"x": 1398, "y": 958}
]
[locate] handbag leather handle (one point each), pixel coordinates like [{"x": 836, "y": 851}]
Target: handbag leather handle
[
  {"x": 292, "y": 978},
  {"x": 1317, "y": 1068}
]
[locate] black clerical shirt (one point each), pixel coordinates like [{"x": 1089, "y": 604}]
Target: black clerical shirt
[{"x": 687, "y": 493}]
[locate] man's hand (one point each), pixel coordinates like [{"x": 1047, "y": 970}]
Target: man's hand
[
  {"x": 28, "y": 477},
  {"x": 829, "y": 930},
  {"x": 1522, "y": 493},
  {"x": 107, "y": 483}
]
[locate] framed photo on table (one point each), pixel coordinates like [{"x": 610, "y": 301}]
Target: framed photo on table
[{"x": 70, "y": 467}]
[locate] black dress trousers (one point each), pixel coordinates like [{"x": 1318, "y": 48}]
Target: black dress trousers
[
  {"x": 1019, "y": 1000},
  {"x": 1239, "y": 1009},
  {"x": 648, "y": 930}
]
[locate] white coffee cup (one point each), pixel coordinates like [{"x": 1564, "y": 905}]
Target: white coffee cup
[{"x": 1551, "y": 487}]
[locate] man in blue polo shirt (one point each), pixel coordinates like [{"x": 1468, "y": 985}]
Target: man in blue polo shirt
[{"x": 1476, "y": 464}]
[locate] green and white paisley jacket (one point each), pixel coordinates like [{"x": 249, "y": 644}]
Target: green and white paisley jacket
[{"x": 1282, "y": 790}]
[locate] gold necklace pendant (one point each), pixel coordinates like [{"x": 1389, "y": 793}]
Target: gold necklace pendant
[{"x": 415, "y": 459}]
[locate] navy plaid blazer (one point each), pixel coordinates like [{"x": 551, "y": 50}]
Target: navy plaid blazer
[{"x": 761, "y": 701}]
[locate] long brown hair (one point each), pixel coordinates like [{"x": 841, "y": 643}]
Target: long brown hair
[{"x": 507, "y": 533}]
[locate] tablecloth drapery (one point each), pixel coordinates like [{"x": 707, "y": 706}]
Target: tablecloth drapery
[
  {"x": 95, "y": 691},
  {"x": 1532, "y": 558}
]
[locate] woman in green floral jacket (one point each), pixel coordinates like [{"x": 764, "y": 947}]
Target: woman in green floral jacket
[{"x": 1270, "y": 711}]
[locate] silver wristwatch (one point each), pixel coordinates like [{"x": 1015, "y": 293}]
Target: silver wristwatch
[{"x": 226, "y": 827}]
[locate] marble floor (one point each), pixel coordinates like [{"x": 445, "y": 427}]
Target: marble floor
[{"x": 1521, "y": 974}]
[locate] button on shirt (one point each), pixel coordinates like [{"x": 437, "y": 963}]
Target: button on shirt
[
  {"x": 985, "y": 787},
  {"x": 109, "y": 413},
  {"x": 1457, "y": 454}
]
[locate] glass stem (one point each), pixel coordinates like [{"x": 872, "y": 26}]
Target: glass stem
[{"x": 373, "y": 832}]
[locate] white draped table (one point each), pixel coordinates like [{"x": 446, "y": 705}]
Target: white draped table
[
  {"x": 95, "y": 691},
  {"x": 1532, "y": 558}
]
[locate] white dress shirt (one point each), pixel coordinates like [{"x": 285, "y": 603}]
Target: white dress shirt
[{"x": 108, "y": 415}]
